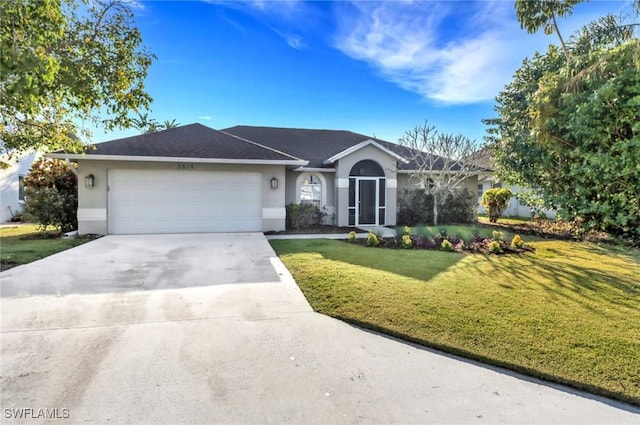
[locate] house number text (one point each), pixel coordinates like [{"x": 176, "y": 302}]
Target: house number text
[{"x": 185, "y": 166}]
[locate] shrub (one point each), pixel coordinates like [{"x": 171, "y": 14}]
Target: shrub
[
  {"x": 458, "y": 207},
  {"x": 495, "y": 201},
  {"x": 406, "y": 241},
  {"x": 352, "y": 237},
  {"x": 446, "y": 246},
  {"x": 416, "y": 207},
  {"x": 51, "y": 195},
  {"x": 372, "y": 239},
  {"x": 303, "y": 215},
  {"x": 517, "y": 241},
  {"x": 494, "y": 246},
  {"x": 498, "y": 235}
]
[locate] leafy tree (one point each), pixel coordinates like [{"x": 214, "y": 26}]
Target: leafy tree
[
  {"x": 151, "y": 125},
  {"x": 63, "y": 62},
  {"x": 441, "y": 162},
  {"x": 571, "y": 132},
  {"x": 536, "y": 14},
  {"x": 51, "y": 195},
  {"x": 496, "y": 201}
]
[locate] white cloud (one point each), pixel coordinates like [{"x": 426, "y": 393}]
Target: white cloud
[
  {"x": 204, "y": 117},
  {"x": 456, "y": 52},
  {"x": 286, "y": 18},
  {"x": 135, "y": 4},
  {"x": 451, "y": 52}
]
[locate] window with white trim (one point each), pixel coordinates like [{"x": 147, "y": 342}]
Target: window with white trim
[{"x": 311, "y": 191}]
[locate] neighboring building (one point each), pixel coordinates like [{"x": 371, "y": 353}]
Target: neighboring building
[
  {"x": 487, "y": 180},
  {"x": 11, "y": 187},
  {"x": 196, "y": 179}
]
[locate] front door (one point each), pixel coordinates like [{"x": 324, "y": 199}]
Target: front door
[{"x": 367, "y": 202}]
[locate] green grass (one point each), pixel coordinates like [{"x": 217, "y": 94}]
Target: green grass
[
  {"x": 19, "y": 245},
  {"x": 568, "y": 313}
]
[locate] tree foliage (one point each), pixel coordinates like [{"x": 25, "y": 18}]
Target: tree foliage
[
  {"x": 441, "y": 162},
  {"x": 536, "y": 14},
  {"x": 64, "y": 62},
  {"x": 571, "y": 131},
  {"x": 146, "y": 125},
  {"x": 51, "y": 195}
]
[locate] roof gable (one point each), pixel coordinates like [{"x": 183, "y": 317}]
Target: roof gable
[{"x": 362, "y": 145}]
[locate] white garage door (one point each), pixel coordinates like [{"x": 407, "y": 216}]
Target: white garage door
[{"x": 155, "y": 201}]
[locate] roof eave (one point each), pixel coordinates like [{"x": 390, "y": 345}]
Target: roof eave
[
  {"x": 94, "y": 157},
  {"x": 404, "y": 171},
  {"x": 315, "y": 169}
]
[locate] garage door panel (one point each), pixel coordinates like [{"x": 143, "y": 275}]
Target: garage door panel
[{"x": 154, "y": 201}]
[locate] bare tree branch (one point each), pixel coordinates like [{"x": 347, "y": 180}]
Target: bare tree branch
[{"x": 441, "y": 163}]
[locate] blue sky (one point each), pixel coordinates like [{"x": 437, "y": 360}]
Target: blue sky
[{"x": 377, "y": 68}]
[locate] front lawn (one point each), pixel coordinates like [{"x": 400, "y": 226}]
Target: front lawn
[
  {"x": 568, "y": 313},
  {"x": 23, "y": 244}
]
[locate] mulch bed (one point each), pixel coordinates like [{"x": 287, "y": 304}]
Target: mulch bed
[
  {"x": 479, "y": 245},
  {"x": 316, "y": 230}
]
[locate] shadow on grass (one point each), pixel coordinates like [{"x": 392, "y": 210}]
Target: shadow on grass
[
  {"x": 577, "y": 276},
  {"x": 416, "y": 264}
]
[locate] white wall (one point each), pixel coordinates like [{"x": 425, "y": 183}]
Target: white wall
[
  {"x": 515, "y": 208},
  {"x": 9, "y": 179}
]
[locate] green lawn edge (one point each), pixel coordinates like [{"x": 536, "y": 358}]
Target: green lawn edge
[
  {"x": 281, "y": 247},
  {"x": 24, "y": 244},
  {"x": 491, "y": 361}
]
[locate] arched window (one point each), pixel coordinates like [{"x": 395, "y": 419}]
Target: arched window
[
  {"x": 367, "y": 168},
  {"x": 311, "y": 191}
]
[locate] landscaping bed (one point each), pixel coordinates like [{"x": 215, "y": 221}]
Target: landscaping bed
[
  {"x": 466, "y": 240},
  {"x": 555, "y": 229}
]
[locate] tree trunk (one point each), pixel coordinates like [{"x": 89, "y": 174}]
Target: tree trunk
[
  {"x": 435, "y": 210},
  {"x": 564, "y": 46}
]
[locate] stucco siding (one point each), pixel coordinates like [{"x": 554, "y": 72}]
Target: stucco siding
[{"x": 343, "y": 169}]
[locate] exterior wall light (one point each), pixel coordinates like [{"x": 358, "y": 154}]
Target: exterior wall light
[
  {"x": 89, "y": 181},
  {"x": 274, "y": 183}
]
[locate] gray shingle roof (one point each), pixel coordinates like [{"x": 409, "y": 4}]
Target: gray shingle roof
[
  {"x": 314, "y": 146},
  {"x": 317, "y": 145},
  {"x": 247, "y": 143},
  {"x": 188, "y": 141}
]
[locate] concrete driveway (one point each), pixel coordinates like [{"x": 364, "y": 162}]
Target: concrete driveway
[{"x": 202, "y": 329}]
